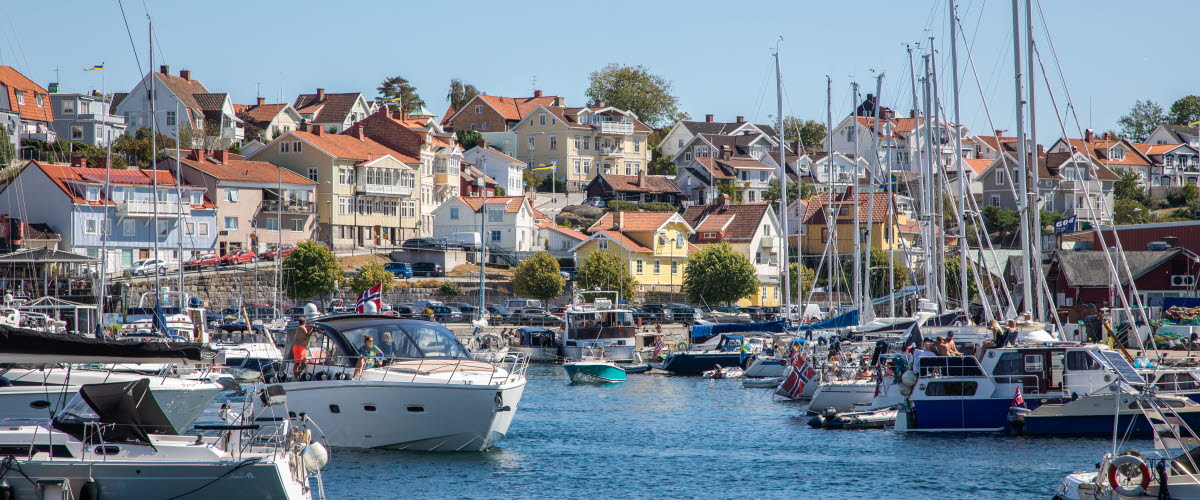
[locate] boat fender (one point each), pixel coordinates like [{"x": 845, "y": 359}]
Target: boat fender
[
  {"x": 909, "y": 378},
  {"x": 322, "y": 375},
  {"x": 816, "y": 422},
  {"x": 1143, "y": 471},
  {"x": 314, "y": 456},
  {"x": 307, "y": 435},
  {"x": 905, "y": 390},
  {"x": 6, "y": 491},
  {"x": 305, "y": 377},
  {"x": 90, "y": 491},
  {"x": 339, "y": 376}
]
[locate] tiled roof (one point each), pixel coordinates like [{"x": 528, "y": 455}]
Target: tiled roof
[
  {"x": 899, "y": 125},
  {"x": 350, "y": 147},
  {"x": 13, "y": 81},
  {"x": 61, "y": 175},
  {"x": 977, "y": 164},
  {"x": 571, "y": 233},
  {"x": 259, "y": 115},
  {"x": 814, "y": 212},
  {"x": 333, "y": 109},
  {"x": 995, "y": 141},
  {"x": 515, "y": 108},
  {"x": 497, "y": 152},
  {"x": 711, "y": 127},
  {"x": 1176, "y": 130},
  {"x": 626, "y": 241},
  {"x": 714, "y": 170},
  {"x": 570, "y": 117},
  {"x": 116, "y": 99},
  {"x": 739, "y": 222},
  {"x": 629, "y": 183},
  {"x": 185, "y": 90},
  {"x": 1099, "y": 148},
  {"x": 447, "y": 115},
  {"x": 1050, "y": 165},
  {"x": 211, "y": 102},
  {"x": 632, "y": 221},
  {"x": 246, "y": 170},
  {"x": 512, "y": 204}
]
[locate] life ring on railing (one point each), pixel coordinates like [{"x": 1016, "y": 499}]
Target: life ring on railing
[
  {"x": 322, "y": 375},
  {"x": 681, "y": 346},
  {"x": 305, "y": 377},
  {"x": 1125, "y": 461}
]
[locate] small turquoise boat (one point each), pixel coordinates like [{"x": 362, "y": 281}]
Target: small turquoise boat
[{"x": 593, "y": 371}]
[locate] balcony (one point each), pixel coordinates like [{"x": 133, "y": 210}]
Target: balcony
[
  {"x": 288, "y": 206},
  {"x": 146, "y": 208},
  {"x": 613, "y": 128},
  {"x": 602, "y": 151},
  {"x": 1092, "y": 187},
  {"x": 384, "y": 190},
  {"x": 446, "y": 178}
]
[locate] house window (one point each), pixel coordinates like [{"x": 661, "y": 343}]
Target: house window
[
  {"x": 171, "y": 118},
  {"x": 995, "y": 201},
  {"x": 639, "y": 267},
  {"x": 674, "y": 267},
  {"x": 597, "y": 143},
  {"x": 587, "y": 142},
  {"x": 553, "y": 143},
  {"x": 603, "y": 244},
  {"x": 578, "y": 145},
  {"x": 231, "y": 223},
  {"x": 91, "y": 226},
  {"x": 297, "y": 225},
  {"x": 577, "y": 166},
  {"x": 531, "y": 142},
  {"x": 93, "y": 193},
  {"x": 41, "y": 99},
  {"x": 750, "y": 196},
  {"x": 272, "y": 224},
  {"x": 341, "y": 176},
  {"x": 628, "y": 168},
  {"x": 495, "y": 235},
  {"x": 20, "y": 97},
  {"x": 127, "y": 228},
  {"x": 824, "y": 235},
  {"x": 483, "y": 127},
  {"x": 687, "y": 156},
  {"x": 68, "y": 107},
  {"x": 637, "y": 145},
  {"x": 231, "y": 195},
  {"x": 202, "y": 229},
  {"x": 454, "y": 213},
  {"x": 479, "y": 109},
  {"x": 587, "y": 167},
  {"x": 678, "y": 240},
  {"x": 542, "y": 120},
  {"x": 657, "y": 266},
  {"x": 472, "y": 126},
  {"x": 758, "y": 257},
  {"x": 285, "y": 147},
  {"x": 312, "y": 174},
  {"x": 197, "y": 198},
  {"x": 495, "y": 215},
  {"x": 189, "y": 228},
  {"x": 296, "y": 147}
]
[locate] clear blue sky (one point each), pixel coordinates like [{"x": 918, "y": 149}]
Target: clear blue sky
[{"x": 717, "y": 54}]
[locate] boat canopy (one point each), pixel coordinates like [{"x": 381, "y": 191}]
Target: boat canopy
[
  {"x": 22, "y": 345},
  {"x": 842, "y": 321},
  {"x": 127, "y": 411},
  {"x": 719, "y": 328}
]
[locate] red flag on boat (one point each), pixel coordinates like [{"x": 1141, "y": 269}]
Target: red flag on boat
[
  {"x": 1018, "y": 400},
  {"x": 800, "y": 373},
  {"x": 373, "y": 294}
]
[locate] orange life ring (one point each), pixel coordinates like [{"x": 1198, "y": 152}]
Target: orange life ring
[{"x": 1143, "y": 469}]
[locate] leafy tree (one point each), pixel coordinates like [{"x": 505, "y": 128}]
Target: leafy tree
[
  {"x": 1129, "y": 186},
  {"x": 636, "y": 89},
  {"x": 468, "y": 138},
  {"x": 719, "y": 275},
  {"x": 657, "y": 206},
  {"x": 8, "y": 152},
  {"x": 460, "y": 93},
  {"x": 802, "y": 275},
  {"x": 1131, "y": 212},
  {"x": 310, "y": 270},
  {"x": 136, "y": 147},
  {"x": 451, "y": 288},
  {"x": 252, "y": 131},
  {"x": 660, "y": 164},
  {"x": 1001, "y": 220},
  {"x": 1048, "y": 218},
  {"x": 370, "y": 274},
  {"x": 605, "y": 271},
  {"x": 735, "y": 194},
  {"x": 532, "y": 181},
  {"x": 810, "y": 133},
  {"x": 772, "y": 193},
  {"x": 953, "y": 288},
  {"x": 1186, "y": 110},
  {"x": 1141, "y": 120},
  {"x": 1190, "y": 193},
  {"x": 879, "y": 262},
  {"x": 500, "y": 191},
  {"x": 398, "y": 87},
  {"x": 538, "y": 277}
]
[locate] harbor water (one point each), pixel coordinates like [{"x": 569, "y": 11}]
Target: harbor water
[{"x": 658, "y": 436}]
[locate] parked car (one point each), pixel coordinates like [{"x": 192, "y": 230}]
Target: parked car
[
  {"x": 756, "y": 313},
  {"x": 242, "y": 256},
  {"x": 655, "y": 313},
  {"x": 446, "y": 314},
  {"x": 399, "y": 269},
  {"x": 535, "y": 316},
  {"x": 558, "y": 311},
  {"x": 467, "y": 240},
  {"x": 420, "y": 244},
  {"x": 596, "y": 201},
  {"x": 203, "y": 261},
  {"x": 499, "y": 315},
  {"x": 770, "y": 313},
  {"x": 148, "y": 267},
  {"x": 681, "y": 313},
  {"x": 468, "y": 312},
  {"x": 458, "y": 305},
  {"x": 518, "y": 304},
  {"x": 406, "y": 311},
  {"x": 427, "y": 269},
  {"x": 278, "y": 252}
]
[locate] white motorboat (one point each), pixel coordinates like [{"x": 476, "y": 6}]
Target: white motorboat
[
  {"x": 842, "y": 395},
  {"x": 178, "y": 314},
  {"x": 767, "y": 366},
  {"x": 113, "y": 441},
  {"x": 425, "y": 393},
  {"x": 247, "y": 350},
  {"x": 489, "y": 348},
  {"x": 599, "y": 328}
]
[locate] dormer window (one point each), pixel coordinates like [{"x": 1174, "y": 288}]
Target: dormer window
[
  {"x": 20, "y": 97},
  {"x": 93, "y": 193},
  {"x": 1117, "y": 153},
  {"x": 41, "y": 100}
]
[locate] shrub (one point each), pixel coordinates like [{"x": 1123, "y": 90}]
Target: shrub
[
  {"x": 451, "y": 288},
  {"x": 658, "y": 206},
  {"x": 621, "y": 206}
]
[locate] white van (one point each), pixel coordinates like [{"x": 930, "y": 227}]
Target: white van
[
  {"x": 464, "y": 240},
  {"x": 420, "y": 305},
  {"x": 518, "y": 304}
]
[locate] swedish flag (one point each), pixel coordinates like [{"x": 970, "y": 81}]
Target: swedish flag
[
  {"x": 744, "y": 350},
  {"x": 99, "y": 67}
]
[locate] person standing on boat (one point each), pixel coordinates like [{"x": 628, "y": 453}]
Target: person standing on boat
[{"x": 300, "y": 347}]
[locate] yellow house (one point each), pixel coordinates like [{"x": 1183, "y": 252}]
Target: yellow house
[
  {"x": 819, "y": 210},
  {"x": 583, "y": 142},
  {"x": 655, "y": 244}
]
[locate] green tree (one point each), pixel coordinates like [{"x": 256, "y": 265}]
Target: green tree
[
  {"x": 460, "y": 93},
  {"x": 730, "y": 190},
  {"x": 636, "y": 89},
  {"x": 370, "y": 274},
  {"x": 451, "y": 288},
  {"x": 538, "y": 277},
  {"x": 136, "y": 148},
  {"x": 468, "y": 138},
  {"x": 1142, "y": 118},
  {"x": 310, "y": 270},
  {"x": 719, "y": 275},
  {"x": 398, "y": 87},
  {"x": 1129, "y": 186},
  {"x": 802, "y": 275},
  {"x": 810, "y": 133},
  {"x": 605, "y": 271},
  {"x": 1186, "y": 110},
  {"x": 532, "y": 181},
  {"x": 953, "y": 288},
  {"x": 660, "y": 164},
  {"x": 1048, "y": 218},
  {"x": 880, "y": 261},
  {"x": 8, "y": 152},
  {"x": 1190, "y": 194},
  {"x": 1001, "y": 220},
  {"x": 500, "y": 191},
  {"x": 1127, "y": 211}
]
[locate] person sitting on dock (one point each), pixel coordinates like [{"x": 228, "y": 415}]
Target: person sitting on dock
[
  {"x": 300, "y": 347},
  {"x": 368, "y": 356}
]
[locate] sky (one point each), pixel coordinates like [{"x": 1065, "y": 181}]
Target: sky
[{"x": 717, "y": 54}]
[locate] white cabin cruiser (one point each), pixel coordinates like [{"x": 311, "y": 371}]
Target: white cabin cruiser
[
  {"x": 424, "y": 392},
  {"x": 599, "y": 327}
]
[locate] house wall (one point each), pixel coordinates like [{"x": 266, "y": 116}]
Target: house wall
[
  {"x": 98, "y": 126},
  {"x": 486, "y": 119},
  {"x": 506, "y": 173},
  {"x": 591, "y": 162},
  {"x": 516, "y": 232}
]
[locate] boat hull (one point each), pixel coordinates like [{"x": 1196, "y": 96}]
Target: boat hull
[
  {"x": 687, "y": 363},
  {"x": 408, "y": 416},
  {"x": 842, "y": 395},
  {"x": 592, "y": 373},
  {"x": 152, "y": 479},
  {"x": 181, "y": 405},
  {"x": 766, "y": 367},
  {"x": 956, "y": 415},
  {"x": 538, "y": 354}
]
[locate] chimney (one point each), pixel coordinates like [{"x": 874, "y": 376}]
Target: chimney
[
  {"x": 998, "y": 132},
  {"x": 1087, "y": 135},
  {"x": 196, "y": 155},
  {"x": 641, "y": 182},
  {"x": 482, "y": 143},
  {"x": 320, "y": 94},
  {"x": 318, "y": 130},
  {"x": 164, "y": 69},
  {"x": 558, "y": 101},
  {"x": 537, "y": 93},
  {"x": 618, "y": 220},
  {"x": 303, "y": 127},
  {"x": 1108, "y": 136},
  {"x": 721, "y": 200},
  {"x": 708, "y": 118},
  {"x": 221, "y": 155},
  {"x": 356, "y": 130},
  {"x": 262, "y": 101},
  {"x": 78, "y": 161},
  {"x": 726, "y": 153},
  {"x": 741, "y": 119},
  {"x": 397, "y": 114},
  {"x": 186, "y": 74},
  {"x": 912, "y": 113},
  {"x": 1041, "y": 149}
]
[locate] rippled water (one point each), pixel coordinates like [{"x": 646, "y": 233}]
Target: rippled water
[{"x": 676, "y": 437}]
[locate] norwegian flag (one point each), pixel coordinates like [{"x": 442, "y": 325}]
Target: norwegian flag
[
  {"x": 373, "y": 294},
  {"x": 658, "y": 347},
  {"x": 800, "y": 373},
  {"x": 914, "y": 340},
  {"x": 1018, "y": 400}
]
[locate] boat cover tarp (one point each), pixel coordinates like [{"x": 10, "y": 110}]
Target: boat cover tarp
[
  {"x": 23, "y": 341},
  {"x": 845, "y": 320},
  {"x": 129, "y": 409},
  {"x": 719, "y": 328}
]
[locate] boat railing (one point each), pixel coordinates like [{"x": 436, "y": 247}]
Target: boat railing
[{"x": 510, "y": 369}]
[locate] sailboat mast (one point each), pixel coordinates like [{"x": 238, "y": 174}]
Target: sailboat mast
[
  {"x": 154, "y": 170},
  {"x": 107, "y": 223},
  {"x": 830, "y": 219},
  {"x": 784, "y": 260},
  {"x": 279, "y": 248},
  {"x": 179, "y": 224},
  {"x": 927, "y": 246},
  {"x": 871, "y": 186},
  {"x": 1035, "y": 211},
  {"x": 964, "y": 298},
  {"x": 939, "y": 174},
  {"x": 1022, "y": 188},
  {"x": 856, "y": 275},
  {"x": 914, "y": 137}
]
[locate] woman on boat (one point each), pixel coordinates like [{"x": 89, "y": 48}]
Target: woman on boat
[{"x": 368, "y": 357}]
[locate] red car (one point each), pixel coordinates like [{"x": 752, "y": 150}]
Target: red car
[
  {"x": 242, "y": 256},
  {"x": 558, "y": 311},
  {"x": 277, "y": 252},
  {"x": 203, "y": 261}
]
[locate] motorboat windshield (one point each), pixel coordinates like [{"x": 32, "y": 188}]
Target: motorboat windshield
[
  {"x": 409, "y": 340},
  {"x": 612, "y": 323}
]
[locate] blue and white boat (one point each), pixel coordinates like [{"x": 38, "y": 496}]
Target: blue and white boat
[
  {"x": 593, "y": 371},
  {"x": 248, "y": 350},
  {"x": 722, "y": 346}
]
